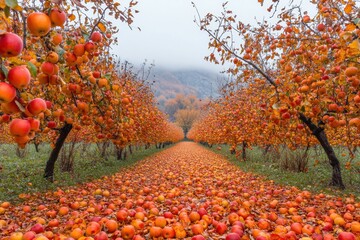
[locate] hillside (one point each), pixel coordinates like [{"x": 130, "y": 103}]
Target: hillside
[{"x": 169, "y": 83}]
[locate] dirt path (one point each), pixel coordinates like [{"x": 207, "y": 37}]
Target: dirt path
[{"x": 180, "y": 192}]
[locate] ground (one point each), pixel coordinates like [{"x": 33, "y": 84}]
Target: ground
[{"x": 183, "y": 191}]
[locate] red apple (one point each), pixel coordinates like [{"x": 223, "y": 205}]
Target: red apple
[
  {"x": 168, "y": 215},
  {"x": 96, "y": 36},
  {"x": 19, "y": 77},
  {"x": 346, "y": 236},
  {"x": 93, "y": 228},
  {"x": 37, "y": 228},
  {"x": 36, "y": 106},
  {"x": 128, "y": 232},
  {"x": 10, "y": 108},
  {"x": 51, "y": 124},
  {"x": 168, "y": 232},
  {"x": 7, "y": 92},
  {"x": 198, "y": 237},
  {"x": 89, "y": 47},
  {"x": 30, "y": 235},
  {"x": 5, "y": 118},
  {"x": 11, "y": 45},
  {"x": 101, "y": 236},
  {"x": 19, "y": 127},
  {"x": 221, "y": 228},
  {"x": 57, "y": 17},
  {"x": 48, "y": 68},
  {"x": 34, "y": 124},
  {"x": 233, "y": 236}
]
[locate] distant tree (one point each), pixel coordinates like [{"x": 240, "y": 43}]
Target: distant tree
[
  {"x": 181, "y": 102},
  {"x": 186, "y": 117}
]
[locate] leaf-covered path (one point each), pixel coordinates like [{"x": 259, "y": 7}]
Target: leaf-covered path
[{"x": 181, "y": 192}]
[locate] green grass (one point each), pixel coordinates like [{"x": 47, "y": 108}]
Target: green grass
[
  {"x": 315, "y": 179},
  {"x": 25, "y": 174}
]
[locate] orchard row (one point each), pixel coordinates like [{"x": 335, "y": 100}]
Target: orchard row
[
  {"x": 296, "y": 82},
  {"x": 57, "y": 75}
]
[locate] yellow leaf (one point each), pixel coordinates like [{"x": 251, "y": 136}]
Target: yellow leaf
[
  {"x": 355, "y": 44},
  {"x": 350, "y": 27},
  {"x": 102, "y": 27},
  {"x": 2, "y": 4},
  {"x": 72, "y": 17},
  {"x": 18, "y": 8},
  {"x": 348, "y": 8}
]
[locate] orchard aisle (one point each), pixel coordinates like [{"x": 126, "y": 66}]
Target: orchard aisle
[{"x": 180, "y": 192}]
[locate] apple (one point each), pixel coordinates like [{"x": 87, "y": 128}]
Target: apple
[
  {"x": 346, "y": 236},
  {"x": 296, "y": 227},
  {"x": 52, "y": 57},
  {"x": 49, "y": 68},
  {"x": 79, "y": 49},
  {"x": 168, "y": 215},
  {"x": 168, "y": 232},
  {"x": 198, "y": 237},
  {"x": 96, "y": 36},
  {"x": 16, "y": 236},
  {"x": 93, "y": 228},
  {"x": 321, "y": 27},
  {"x": 19, "y": 127},
  {"x": 155, "y": 232},
  {"x": 7, "y": 92},
  {"x": 39, "y": 24},
  {"x": 101, "y": 236},
  {"x": 37, "y": 228},
  {"x": 57, "y": 39},
  {"x": 89, "y": 47},
  {"x": 5, "y": 118},
  {"x": 10, "y": 108},
  {"x": 233, "y": 236},
  {"x": 30, "y": 235},
  {"x": 19, "y": 77},
  {"x": 57, "y": 17},
  {"x": 36, "y": 106},
  {"x": 11, "y": 45},
  {"x": 221, "y": 228},
  {"x": 48, "y": 104},
  {"x": 128, "y": 232},
  {"x": 34, "y": 124},
  {"x": 197, "y": 229},
  {"x": 160, "y": 222}
]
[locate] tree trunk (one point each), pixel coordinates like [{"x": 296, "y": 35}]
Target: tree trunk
[
  {"x": 37, "y": 147},
  {"x": 244, "y": 146},
  {"x": 50, "y": 164},
  {"x": 119, "y": 153},
  {"x": 267, "y": 149},
  {"x": 125, "y": 154},
  {"x": 319, "y": 133},
  {"x": 130, "y": 149}
]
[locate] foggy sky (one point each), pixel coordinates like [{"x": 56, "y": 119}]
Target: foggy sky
[{"x": 170, "y": 38}]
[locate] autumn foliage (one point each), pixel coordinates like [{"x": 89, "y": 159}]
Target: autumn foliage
[
  {"x": 57, "y": 75},
  {"x": 296, "y": 79}
]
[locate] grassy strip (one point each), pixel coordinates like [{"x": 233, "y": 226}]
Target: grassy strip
[
  {"x": 25, "y": 174},
  {"x": 315, "y": 179}
]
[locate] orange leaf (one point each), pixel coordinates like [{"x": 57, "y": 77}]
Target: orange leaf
[
  {"x": 102, "y": 27},
  {"x": 72, "y": 17},
  {"x": 2, "y": 4},
  {"x": 348, "y": 8},
  {"x": 350, "y": 27},
  {"x": 355, "y": 44}
]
